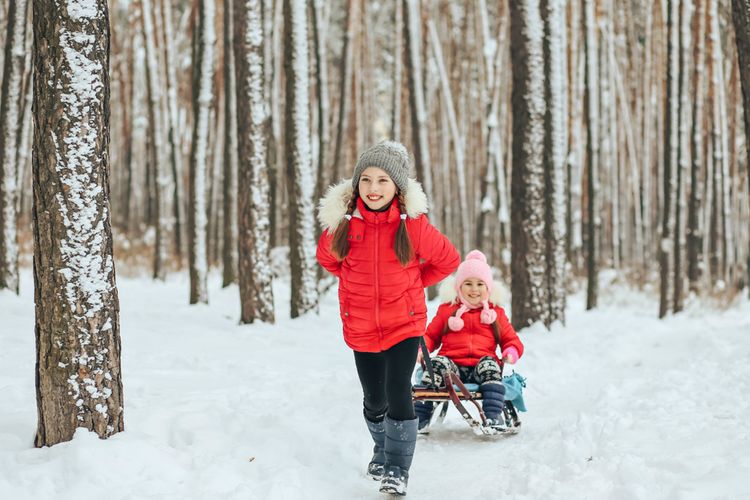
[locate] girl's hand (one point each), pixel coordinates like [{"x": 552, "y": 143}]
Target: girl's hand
[{"x": 510, "y": 355}]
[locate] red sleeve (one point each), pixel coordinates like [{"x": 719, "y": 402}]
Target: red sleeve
[
  {"x": 440, "y": 256},
  {"x": 325, "y": 256},
  {"x": 508, "y": 336},
  {"x": 434, "y": 335}
]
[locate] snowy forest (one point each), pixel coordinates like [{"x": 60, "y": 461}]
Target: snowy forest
[{"x": 161, "y": 164}]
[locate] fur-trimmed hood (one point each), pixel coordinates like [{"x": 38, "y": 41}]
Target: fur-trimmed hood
[
  {"x": 447, "y": 292},
  {"x": 332, "y": 206}
]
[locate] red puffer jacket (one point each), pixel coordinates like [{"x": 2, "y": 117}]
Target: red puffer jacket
[
  {"x": 383, "y": 302},
  {"x": 475, "y": 340}
]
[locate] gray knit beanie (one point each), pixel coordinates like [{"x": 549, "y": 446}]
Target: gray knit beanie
[{"x": 391, "y": 156}]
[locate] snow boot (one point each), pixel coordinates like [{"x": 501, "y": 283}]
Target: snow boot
[
  {"x": 424, "y": 410},
  {"x": 493, "y": 401},
  {"x": 376, "y": 467},
  {"x": 400, "y": 440}
]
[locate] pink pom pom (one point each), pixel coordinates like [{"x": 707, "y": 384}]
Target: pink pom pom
[
  {"x": 455, "y": 324},
  {"x": 488, "y": 316}
]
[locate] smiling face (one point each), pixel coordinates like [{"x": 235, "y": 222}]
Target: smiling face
[
  {"x": 474, "y": 291},
  {"x": 376, "y": 188}
]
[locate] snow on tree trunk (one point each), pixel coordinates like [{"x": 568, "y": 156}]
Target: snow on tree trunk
[
  {"x": 741, "y": 15},
  {"x": 412, "y": 40},
  {"x": 159, "y": 159},
  {"x": 321, "y": 94},
  {"x": 458, "y": 145},
  {"x": 205, "y": 37},
  {"x": 529, "y": 279},
  {"x": 298, "y": 161},
  {"x": 255, "y": 276},
  {"x": 230, "y": 159},
  {"x": 592, "y": 153},
  {"x": 694, "y": 232},
  {"x": 683, "y": 153},
  {"x": 78, "y": 381},
  {"x": 173, "y": 140},
  {"x": 11, "y": 111},
  {"x": 556, "y": 70}
]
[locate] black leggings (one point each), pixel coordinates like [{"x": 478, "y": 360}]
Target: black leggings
[{"x": 386, "y": 380}]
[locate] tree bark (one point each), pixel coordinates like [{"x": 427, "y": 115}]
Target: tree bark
[
  {"x": 591, "y": 110},
  {"x": 203, "y": 77},
  {"x": 230, "y": 160},
  {"x": 78, "y": 382},
  {"x": 298, "y": 161},
  {"x": 255, "y": 276},
  {"x": 11, "y": 121},
  {"x": 528, "y": 244}
]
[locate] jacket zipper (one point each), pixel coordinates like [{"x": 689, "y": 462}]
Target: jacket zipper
[{"x": 377, "y": 282}]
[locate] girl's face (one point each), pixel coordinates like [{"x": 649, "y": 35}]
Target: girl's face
[
  {"x": 474, "y": 291},
  {"x": 376, "y": 188}
]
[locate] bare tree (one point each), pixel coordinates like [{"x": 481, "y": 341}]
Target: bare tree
[
  {"x": 78, "y": 381},
  {"x": 203, "y": 75},
  {"x": 11, "y": 121},
  {"x": 298, "y": 161},
  {"x": 230, "y": 160},
  {"x": 255, "y": 276}
]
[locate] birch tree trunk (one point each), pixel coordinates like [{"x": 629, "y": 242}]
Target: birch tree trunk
[
  {"x": 78, "y": 382},
  {"x": 298, "y": 161},
  {"x": 529, "y": 286},
  {"x": 230, "y": 160},
  {"x": 321, "y": 94},
  {"x": 205, "y": 37},
  {"x": 11, "y": 121},
  {"x": 591, "y": 110},
  {"x": 255, "y": 276},
  {"x": 344, "y": 89},
  {"x": 741, "y": 16}
]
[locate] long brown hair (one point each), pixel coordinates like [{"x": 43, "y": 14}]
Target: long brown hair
[{"x": 401, "y": 244}]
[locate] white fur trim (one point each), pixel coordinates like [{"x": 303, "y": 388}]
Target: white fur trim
[
  {"x": 447, "y": 291},
  {"x": 332, "y": 206}
]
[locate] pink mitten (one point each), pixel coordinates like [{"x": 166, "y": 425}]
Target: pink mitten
[{"x": 510, "y": 355}]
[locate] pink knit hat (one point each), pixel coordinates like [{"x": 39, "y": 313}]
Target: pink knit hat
[{"x": 474, "y": 266}]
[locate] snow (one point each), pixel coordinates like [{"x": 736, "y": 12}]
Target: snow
[{"x": 618, "y": 408}]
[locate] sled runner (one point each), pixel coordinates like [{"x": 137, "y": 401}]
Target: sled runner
[{"x": 458, "y": 393}]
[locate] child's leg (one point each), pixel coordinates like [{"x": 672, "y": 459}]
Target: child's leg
[
  {"x": 487, "y": 373},
  {"x": 439, "y": 365}
]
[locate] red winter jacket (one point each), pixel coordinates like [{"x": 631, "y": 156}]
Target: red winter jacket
[
  {"x": 475, "y": 340},
  {"x": 383, "y": 302}
]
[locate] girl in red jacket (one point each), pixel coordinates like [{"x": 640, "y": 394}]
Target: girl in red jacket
[
  {"x": 378, "y": 242},
  {"x": 466, "y": 328}
]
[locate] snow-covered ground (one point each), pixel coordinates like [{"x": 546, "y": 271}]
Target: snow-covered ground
[{"x": 621, "y": 406}]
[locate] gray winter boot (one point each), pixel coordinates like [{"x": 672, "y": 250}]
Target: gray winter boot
[
  {"x": 376, "y": 467},
  {"x": 400, "y": 440}
]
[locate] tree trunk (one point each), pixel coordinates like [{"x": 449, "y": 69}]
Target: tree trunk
[
  {"x": 741, "y": 16},
  {"x": 695, "y": 230},
  {"x": 344, "y": 88},
  {"x": 419, "y": 130},
  {"x": 591, "y": 110},
  {"x": 321, "y": 94},
  {"x": 255, "y": 276},
  {"x": 529, "y": 287},
  {"x": 78, "y": 382},
  {"x": 203, "y": 77},
  {"x": 556, "y": 134},
  {"x": 230, "y": 160},
  {"x": 163, "y": 218},
  {"x": 298, "y": 161},
  {"x": 11, "y": 121}
]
